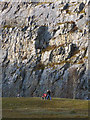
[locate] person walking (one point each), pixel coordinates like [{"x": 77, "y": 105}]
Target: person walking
[{"x": 48, "y": 94}]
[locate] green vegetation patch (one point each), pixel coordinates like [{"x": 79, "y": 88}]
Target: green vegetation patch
[
  {"x": 52, "y": 47},
  {"x": 8, "y": 26},
  {"x": 37, "y": 108},
  {"x": 41, "y": 3},
  {"x": 68, "y": 22},
  {"x": 39, "y": 66},
  {"x": 49, "y": 48}
]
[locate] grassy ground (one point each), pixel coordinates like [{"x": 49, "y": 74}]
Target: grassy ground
[{"x": 37, "y": 108}]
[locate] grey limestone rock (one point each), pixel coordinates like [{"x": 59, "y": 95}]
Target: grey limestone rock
[{"x": 45, "y": 46}]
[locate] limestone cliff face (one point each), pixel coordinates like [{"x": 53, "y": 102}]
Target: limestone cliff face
[{"x": 45, "y": 46}]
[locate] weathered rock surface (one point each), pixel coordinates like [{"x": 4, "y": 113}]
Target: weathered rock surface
[{"x": 45, "y": 46}]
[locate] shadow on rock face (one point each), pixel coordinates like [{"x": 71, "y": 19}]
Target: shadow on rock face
[{"x": 42, "y": 40}]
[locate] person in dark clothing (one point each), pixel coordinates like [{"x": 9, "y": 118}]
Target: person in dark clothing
[{"x": 48, "y": 94}]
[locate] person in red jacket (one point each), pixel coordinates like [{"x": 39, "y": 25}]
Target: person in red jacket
[{"x": 44, "y": 96}]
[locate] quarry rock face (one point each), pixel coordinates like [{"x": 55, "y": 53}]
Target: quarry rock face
[{"x": 45, "y": 46}]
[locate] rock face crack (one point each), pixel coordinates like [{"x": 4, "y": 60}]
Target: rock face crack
[{"x": 39, "y": 78}]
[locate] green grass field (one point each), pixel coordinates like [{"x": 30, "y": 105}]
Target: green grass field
[{"x": 37, "y": 108}]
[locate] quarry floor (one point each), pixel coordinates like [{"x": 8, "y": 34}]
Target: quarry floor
[{"x": 34, "y": 107}]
